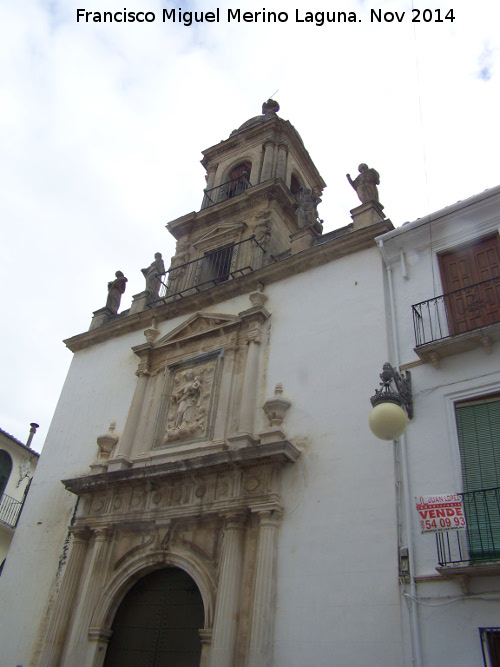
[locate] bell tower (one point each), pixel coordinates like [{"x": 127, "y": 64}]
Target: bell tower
[{"x": 261, "y": 196}]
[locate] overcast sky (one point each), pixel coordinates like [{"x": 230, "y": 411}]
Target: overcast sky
[{"x": 102, "y": 127}]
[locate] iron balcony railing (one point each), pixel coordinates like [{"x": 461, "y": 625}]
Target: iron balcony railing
[
  {"x": 225, "y": 191},
  {"x": 480, "y": 541},
  {"x": 214, "y": 268},
  {"x": 457, "y": 312},
  {"x": 10, "y": 509}
]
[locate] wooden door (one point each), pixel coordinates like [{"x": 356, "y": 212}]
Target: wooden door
[
  {"x": 157, "y": 623},
  {"x": 472, "y": 297}
]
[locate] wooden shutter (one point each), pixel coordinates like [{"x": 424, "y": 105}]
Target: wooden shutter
[{"x": 469, "y": 267}]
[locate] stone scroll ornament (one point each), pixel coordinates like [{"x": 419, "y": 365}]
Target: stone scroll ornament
[
  {"x": 365, "y": 184},
  {"x": 187, "y": 414}
]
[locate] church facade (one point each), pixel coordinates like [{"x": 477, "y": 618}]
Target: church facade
[{"x": 209, "y": 492}]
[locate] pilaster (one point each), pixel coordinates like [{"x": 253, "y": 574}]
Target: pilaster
[
  {"x": 127, "y": 439},
  {"x": 54, "y": 641},
  {"x": 267, "y": 166},
  {"x": 229, "y": 592},
  {"x": 79, "y": 651},
  {"x": 262, "y": 625}
]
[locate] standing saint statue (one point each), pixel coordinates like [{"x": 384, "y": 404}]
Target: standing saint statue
[
  {"x": 307, "y": 211},
  {"x": 115, "y": 290},
  {"x": 365, "y": 184},
  {"x": 151, "y": 274}
]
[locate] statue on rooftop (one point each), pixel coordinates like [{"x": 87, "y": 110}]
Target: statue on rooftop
[
  {"x": 270, "y": 108},
  {"x": 307, "y": 211},
  {"x": 151, "y": 274},
  {"x": 115, "y": 290},
  {"x": 365, "y": 184}
]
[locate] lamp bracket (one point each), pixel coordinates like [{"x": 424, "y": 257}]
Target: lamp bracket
[{"x": 400, "y": 394}]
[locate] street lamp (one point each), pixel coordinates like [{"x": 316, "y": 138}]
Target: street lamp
[{"x": 388, "y": 419}]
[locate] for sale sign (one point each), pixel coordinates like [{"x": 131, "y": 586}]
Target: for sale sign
[{"x": 441, "y": 513}]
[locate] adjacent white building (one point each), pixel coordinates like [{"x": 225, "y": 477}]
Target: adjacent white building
[
  {"x": 443, "y": 295},
  {"x": 209, "y": 492},
  {"x": 17, "y": 467}
]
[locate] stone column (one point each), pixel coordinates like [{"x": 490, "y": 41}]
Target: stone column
[
  {"x": 128, "y": 436},
  {"x": 225, "y": 393},
  {"x": 281, "y": 168},
  {"x": 80, "y": 652},
  {"x": 227, "y": 606},
  {"x": 65, "y": 602},
  {"x": 267, "y": 167},
  {"x": 264, "y": 601}
]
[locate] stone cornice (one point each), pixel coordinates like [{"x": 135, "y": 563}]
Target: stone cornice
[
  {"x": 280, "y": 452},
  {"x": 231, "y": 209},
  {"x": 317, "y": 255}
]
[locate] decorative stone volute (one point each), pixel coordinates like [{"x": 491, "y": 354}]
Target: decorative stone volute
[
  {"x": 107, "y": 441},
  {"x": 276, "y": 407}
]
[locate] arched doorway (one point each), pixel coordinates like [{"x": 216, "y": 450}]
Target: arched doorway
[{"x": 157, "y": 623}]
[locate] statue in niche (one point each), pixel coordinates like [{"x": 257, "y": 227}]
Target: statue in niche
[
  {"x": 151, "y": 274},
  {"x": 307, "y": 211},
  {"x": 365, "y": 184},
  {"x": 115, "y": 290}
]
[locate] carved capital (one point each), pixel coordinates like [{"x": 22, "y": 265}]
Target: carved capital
[
  {"x": 234, "y": 521},
  {"x": 80, "y": 535},
  {"x": 269, "y": 518},
  {"x": 103, "y": 534}
]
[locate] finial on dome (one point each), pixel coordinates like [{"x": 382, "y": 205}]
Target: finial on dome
[{"x": 270, "y": 108}]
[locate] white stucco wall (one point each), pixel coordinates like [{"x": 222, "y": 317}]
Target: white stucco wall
[
  {"x": 338, "y": 598},
  {"x": 449, "y": 619}
]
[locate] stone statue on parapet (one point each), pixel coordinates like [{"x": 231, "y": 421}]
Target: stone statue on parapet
[
  {"x": 151, "y": 274},
  {"x": 365, "y": 184},
  {"x": 115, "y": 290},
  {"x": 307, "y": 211},
  {"x": 270, "y": 108}
]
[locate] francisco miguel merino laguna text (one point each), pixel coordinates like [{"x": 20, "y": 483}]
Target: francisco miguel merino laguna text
[{"x": 233, "y": 15}]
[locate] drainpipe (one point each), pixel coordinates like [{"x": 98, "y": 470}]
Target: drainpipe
[
  {"x": 32, "y": 433},
  {"x": 414, "y": 623}
]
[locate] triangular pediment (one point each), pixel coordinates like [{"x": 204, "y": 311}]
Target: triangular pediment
[
  {"x": 221, "y": 234},
  {"x": 198, "y": 324}
]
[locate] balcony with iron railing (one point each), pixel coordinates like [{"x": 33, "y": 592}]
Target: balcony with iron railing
[
  {"x": 226, "y": 191},
  {"x": 479, "y": 543},
  {"x": 10, "y": 509},
  {"x": 456, "y": 321},
  {"x": 214, "y": 268}
]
